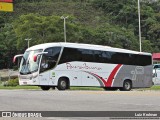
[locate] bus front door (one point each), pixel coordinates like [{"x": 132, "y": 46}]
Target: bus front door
[{"x": 44, "y": 78}]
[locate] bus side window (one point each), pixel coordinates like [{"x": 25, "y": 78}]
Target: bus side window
[
  {"x": 69, "y": 55},
  {"x": 87, "y": 55}
]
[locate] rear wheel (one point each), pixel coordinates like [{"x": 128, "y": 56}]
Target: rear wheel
[
  {"x": 45, "y": 88},
  {"x": 127, "y": 86},
  {"x": 62, "y": 84}
]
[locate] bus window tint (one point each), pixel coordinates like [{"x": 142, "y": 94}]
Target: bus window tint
[
  {"x": 86, "y": 55},
  {"x": 70, "y": 54}
]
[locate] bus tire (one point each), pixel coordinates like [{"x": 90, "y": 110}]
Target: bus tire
[
  {"x": 62, "y": 84},
  {"x": 110, "y": 88},
  {"x": 127, "y": 85},
  {"x": 45, "y": 88}
]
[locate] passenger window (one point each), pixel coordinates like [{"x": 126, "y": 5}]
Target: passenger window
[{"x": 87, "y": 55}]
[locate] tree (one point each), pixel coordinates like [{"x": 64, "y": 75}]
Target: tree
[
  {"x": 115, "y": 36},
  {"x": 155, "y": 34},
  {"x": 45, "y": 29},
  {"x": 147, "y": 46},
  {"x": 7, "y": 45}
]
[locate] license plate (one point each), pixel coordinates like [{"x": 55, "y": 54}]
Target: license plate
[{"x": 25, "y": 83}]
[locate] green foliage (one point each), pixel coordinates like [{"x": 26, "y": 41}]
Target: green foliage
[
  {"x": 50, "y": 29},
  {"x": 105, "y": 22},
  {"x": 12, "y": 82},
  {"x": 147, "y": 46},
  {"x": 20, "y": 87},
  {"x": 7, "y": 44},
  {"x": 116, "y": 36},
  {"x": 15, "y": 68},
  {"x": 45, "y": 29},
  {"x": 125, "y": 13},
  {"x": 2, "y": 23}
]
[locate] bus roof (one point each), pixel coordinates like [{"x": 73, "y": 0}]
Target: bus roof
[{"x": 85, "y": 46}]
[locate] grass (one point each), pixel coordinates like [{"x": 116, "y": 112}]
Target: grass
[
  {"x": 71, "y": 88},
  {"x": 155, "y": 87},
  {"x": 19, "y": 87},
  {"x": 36, "y": 87}
]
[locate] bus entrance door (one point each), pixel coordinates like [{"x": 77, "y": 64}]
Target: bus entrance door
[{"x": 43, "y": 78}]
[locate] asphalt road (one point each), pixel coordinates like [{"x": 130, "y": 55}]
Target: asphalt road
[{"x": 37, "y": 100}]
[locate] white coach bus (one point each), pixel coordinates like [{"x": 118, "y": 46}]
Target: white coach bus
[{"x": 63, "y": 65}]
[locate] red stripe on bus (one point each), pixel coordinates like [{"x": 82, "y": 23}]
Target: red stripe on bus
[
  {"x": 112, "y": 75},
  {"x": 103, "y": 80}
]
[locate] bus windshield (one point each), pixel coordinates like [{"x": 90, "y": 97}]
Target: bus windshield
[{"x": 28, "y": 65}]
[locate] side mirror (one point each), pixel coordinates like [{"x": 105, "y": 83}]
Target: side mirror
[
  {"x": 36, "y": 55},
  {"x": 156, "y": 67},
  {"x": 16, "y": 56},
  {"x": 35, "y": 58}
]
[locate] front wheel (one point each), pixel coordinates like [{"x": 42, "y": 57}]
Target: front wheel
[
  {"x": 45, "y": 88},
  {"x": 127, "y": 86},
  {"x": 62, "y": 84}
]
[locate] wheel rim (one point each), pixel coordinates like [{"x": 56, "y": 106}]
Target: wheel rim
[
  {"x": 127, "y": 85},
  {"x": 63, "y": 84}
]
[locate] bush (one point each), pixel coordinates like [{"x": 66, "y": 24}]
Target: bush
[
  {"x": 15, "y": 68},
  {"x": 12, "y": 82}
]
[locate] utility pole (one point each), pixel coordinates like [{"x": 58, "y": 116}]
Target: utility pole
[
  {"x": 139, "y": 17},
  {"x": 62, "y": 17},
  {"x": 28, "y": 41}
]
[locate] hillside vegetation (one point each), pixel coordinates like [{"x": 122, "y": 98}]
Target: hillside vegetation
[{"x": 104, "y": 22}]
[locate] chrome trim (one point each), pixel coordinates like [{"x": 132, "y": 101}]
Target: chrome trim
[{"x": 62, "y": 48}]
